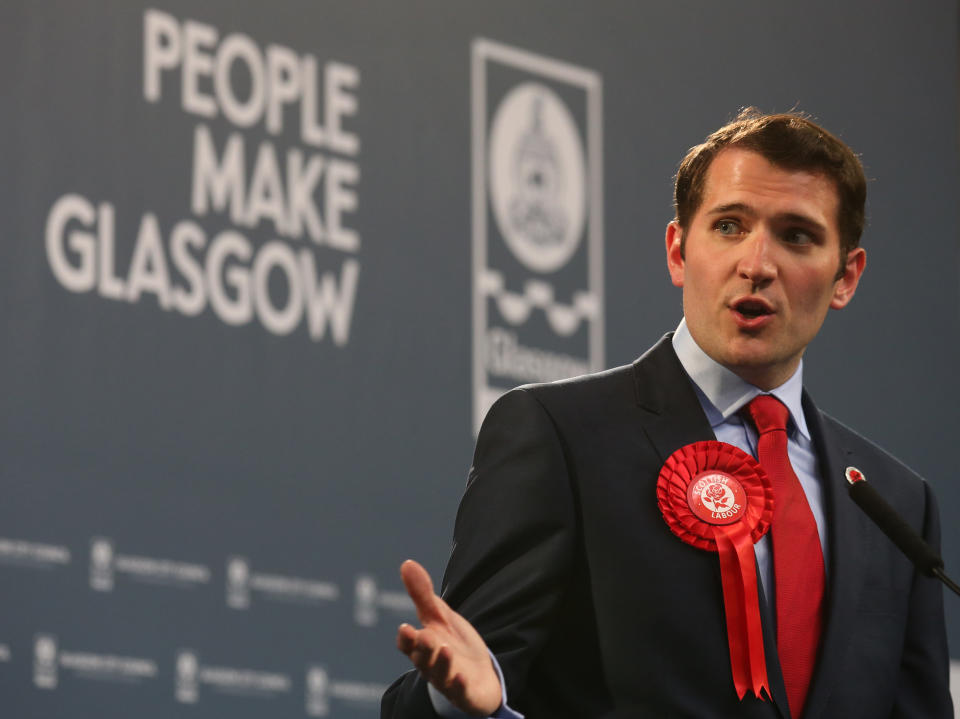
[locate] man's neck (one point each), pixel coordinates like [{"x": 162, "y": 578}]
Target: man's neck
[{"x": 724, "y": 390}]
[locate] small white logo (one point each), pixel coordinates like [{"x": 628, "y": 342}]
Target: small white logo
[
  {"x": 187, "y": 683},
  {"x": 317, "y": 692},
  {"x": 365, "y": 601},
  {"x": 243, "y": 583},
  {"x": 45, "y": 661},
  {"x": 101, "y": 564},
  {"x": 238, "y": 583}
]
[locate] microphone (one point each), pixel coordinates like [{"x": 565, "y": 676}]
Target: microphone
[{"x": 897, "y": 529}]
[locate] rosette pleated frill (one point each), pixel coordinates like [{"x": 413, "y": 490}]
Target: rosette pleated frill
[{"x": 716, "y": 497}]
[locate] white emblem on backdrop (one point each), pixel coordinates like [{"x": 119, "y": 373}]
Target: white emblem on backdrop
[
  {"x": 538, "y": 268},
  {"x": 369, "y": 600},
  {"x": 238, "y": 583},
  {"x": 186, "y": 685},
  {"x": 321, "y": 688},
  {"x": 317, "y": 697},
  {"x": 105, "y": 563},
  {"x": 537, "y": 177},
  {"x": 242, "y": 582},
  {"x": 365, "y": 601},
  {"x": 101, "y": 564},
  {"x": 49, "y": 659},
  {"x": 45, "y": 661},
  {"x": 191, "y": 674}
]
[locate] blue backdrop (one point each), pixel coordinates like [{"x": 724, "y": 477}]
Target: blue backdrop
[{"x": 261, "y": 272}]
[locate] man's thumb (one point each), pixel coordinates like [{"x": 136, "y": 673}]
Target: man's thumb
[{"x": 420, "y": 588}]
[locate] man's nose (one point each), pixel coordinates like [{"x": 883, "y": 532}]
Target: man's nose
[{"x": 757, "y": 261}]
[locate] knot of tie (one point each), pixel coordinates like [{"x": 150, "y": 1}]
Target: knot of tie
[{"x": 768, "y": 413}]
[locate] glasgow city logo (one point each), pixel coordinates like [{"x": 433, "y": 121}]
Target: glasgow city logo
[
  {"x": 537, "y": 221},
  {"x": 537, "y": 177}
]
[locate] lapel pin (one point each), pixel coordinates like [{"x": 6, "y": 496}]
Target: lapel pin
[{"x": 854, "y": 475}]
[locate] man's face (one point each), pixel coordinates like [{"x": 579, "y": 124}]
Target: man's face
[{"x": 759, "y": 268}]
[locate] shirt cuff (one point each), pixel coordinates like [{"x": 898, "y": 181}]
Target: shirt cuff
[{"x": 443, "y": 707}]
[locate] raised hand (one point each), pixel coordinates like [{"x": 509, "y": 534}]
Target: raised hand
[{"x": 448, "y": 651}]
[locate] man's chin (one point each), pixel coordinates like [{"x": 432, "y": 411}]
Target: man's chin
[
  {"x": 748, "y": 353},
  {"x": 765, "y": 370}
]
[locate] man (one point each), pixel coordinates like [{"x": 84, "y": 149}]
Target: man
[{"x": 563, "y": 565}]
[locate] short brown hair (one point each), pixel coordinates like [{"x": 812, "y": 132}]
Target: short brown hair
[{"x": 788, "y": 140}]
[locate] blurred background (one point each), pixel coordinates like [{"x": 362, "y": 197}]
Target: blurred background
[{"x": 263, "y": 267}]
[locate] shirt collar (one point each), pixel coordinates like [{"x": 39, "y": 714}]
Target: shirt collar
[{"x": 722, "y": 393}]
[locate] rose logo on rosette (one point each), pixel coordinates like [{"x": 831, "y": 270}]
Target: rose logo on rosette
[
  {"x": 716, "y": 494},
  {"x": 716, "y": 497}
]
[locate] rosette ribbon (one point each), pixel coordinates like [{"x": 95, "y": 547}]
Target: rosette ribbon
[{"x": 716, "y": 497}]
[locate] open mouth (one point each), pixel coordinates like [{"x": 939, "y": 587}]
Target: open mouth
[{"x": 751, "y": 309}]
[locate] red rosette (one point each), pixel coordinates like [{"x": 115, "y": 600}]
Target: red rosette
[
  {"x": 716, "y": 497},
  {"x": 695, "y": 460}
]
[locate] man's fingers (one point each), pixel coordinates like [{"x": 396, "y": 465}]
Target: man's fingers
[
  {"x": 425, "y": 650},
  {"x": 415, "y": 644},
  {"x": 438, "y": 669},
  {"x": 457, "y": 690},
  {"x": 441, "y": 666},
  {"x": 419, "y": 645},
  {"x": 406, "y": 638},
  {"x": 432, "y": 659},
  {"x": 420, "y": 588}
]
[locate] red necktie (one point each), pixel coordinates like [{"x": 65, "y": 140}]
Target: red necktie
[{"x": 797, "y": 555}]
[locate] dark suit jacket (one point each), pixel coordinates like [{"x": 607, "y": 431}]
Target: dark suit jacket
[{"x": 563, "y": 563}]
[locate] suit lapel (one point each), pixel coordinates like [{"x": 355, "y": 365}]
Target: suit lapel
[
  {"x": 672, "y": 417},
  {"x": 846, "y": 553},
  {"x": 672, "y": 414}
]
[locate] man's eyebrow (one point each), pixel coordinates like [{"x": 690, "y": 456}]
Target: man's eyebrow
[
  {"x": 801, "y": 220},
  {"x": 732, "y": 207}
]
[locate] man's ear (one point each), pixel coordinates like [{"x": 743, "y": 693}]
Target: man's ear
[
  {"x": 675, "y": 264},
  {"x": 847, "y": 284}
]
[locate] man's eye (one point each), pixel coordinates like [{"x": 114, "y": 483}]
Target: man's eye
[
  {"x": 727, "y": 227},
  {"x": 798, "y": 237}
]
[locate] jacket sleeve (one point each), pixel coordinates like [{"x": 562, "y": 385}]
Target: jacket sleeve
[{"x": 514, "y": 539}]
